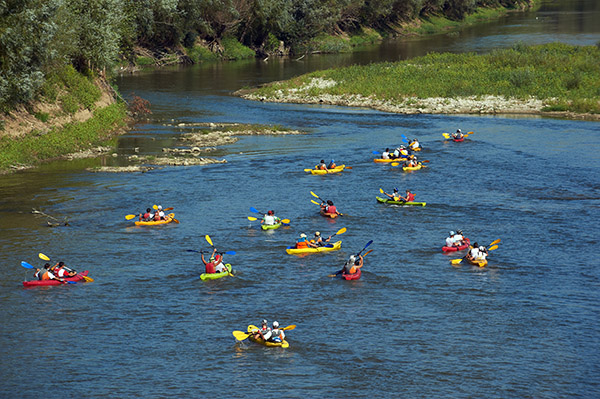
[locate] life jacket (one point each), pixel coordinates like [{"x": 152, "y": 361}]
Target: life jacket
[
  {"x": 146, "y": 216},
  {"x": 331, "y": 166},
  {"x": 322, "y": 166},
  {"x": 410, "y": 197},
  {"x": 301, "y": 244},
  {"x": 210, "y": 268},
  {"x": 46, "y": 275},
  {"x": 331, "y": 209}
]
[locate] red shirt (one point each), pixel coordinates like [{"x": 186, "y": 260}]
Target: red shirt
[
  {"x": 210, "y": 268},
  {"x": 331, "y": 209},
  {"x": 410, "y": 197}
]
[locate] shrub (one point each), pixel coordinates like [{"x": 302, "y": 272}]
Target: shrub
[{"x": 234, "y": 50}]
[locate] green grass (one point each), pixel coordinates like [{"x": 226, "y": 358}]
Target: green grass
[
  {"x": 566, "y": 75},
  {"x": 34, "y": 148},
  {"x": 199, "y": 54},
  {"x": 234, "y": 50}
]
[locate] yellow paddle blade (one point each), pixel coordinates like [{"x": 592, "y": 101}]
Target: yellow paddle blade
[
  {"x": 495, "y": 242},
  {"x": 446, "y": 135},
  {"x": 251, "y": 218},
  {"x": 286, "y": 221},
  {"x": 366, "y": 253},
  {"x": 470, "y": 132},
  {"x": 176, "y": 221},
  {"x": 288, "y": 328},
  {"x": 314, "y": 195},
  {"x": 240, "y": 335},
  {"x": 456, "y": 261},
  {"x": 88, "y": 279},
  {"x": 381, "y": 191},
  {"x": 155, "y": 207},
  {"x": 341, "y": 231},
  {"x": 209, "y": 240},
  {"x": 42, "y": 256},
  {"x": 129, "y": 217},
  {"x": 331, "y": 275},
  {"x": 315, "y": 202},
  {"x": 493, "y": 247},
  {"x": 395, "y": 163}
]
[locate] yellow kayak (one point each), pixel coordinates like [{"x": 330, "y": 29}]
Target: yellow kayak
[
  {"x": 480, "y": 263},
  {"x": 419, "y": 166},
  {"x": 294, "y": 251},
  {"x": 337, "y": 169},
  {"x": 168, "y": 219},
  {"x": 283, "y": 344},
  {"x": 381, "y": 160}
]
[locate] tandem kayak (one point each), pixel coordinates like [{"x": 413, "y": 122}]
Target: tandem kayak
[
  {"x": 328, "y": 215},
  {"x": 214, "y": 276},
  {"x": 36, "y": 283},
  {"x": 392, "y": 202},
  {"x": 466, "y": 244},
  {"x": 381, "y": 160},
  {"x": 282, "y": 344},
  {"x": 419, "y": 166},
  {"x": 353, "y": 276},
  {"x": 480, "y": 263},
  {"x": 168, "y": 219},
  {"x": 337, "y": 169},
  {"x": 270, "y": 226},
  {"x": 332, "y": 247}
]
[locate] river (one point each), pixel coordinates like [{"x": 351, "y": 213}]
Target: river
[{"x": 525, "y": 326}]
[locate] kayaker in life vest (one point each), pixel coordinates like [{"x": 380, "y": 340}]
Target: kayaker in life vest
[
  {"x": 209, "y": 267},
  {"x": 61, "y": 270},
  {"x": 412, "y": 162},
  {"x": 264, "y": 329},
  {"x": 458, "y": 239},
  {"x": 219, "y": 265},
  {"x": 396, "y": 196},
  {"x": 410, "y": 197},
  {"x": 331, "y": 165},
  {"x": 414, "y": 144},
  {"x": 160, "y": 213},
  {"x": 482, "y": 253},
  {"x": 322, "y": 165},
  {"x": 352, "y": 265},
  {"x": 458, "y": 135},
  {"x": 329, "y": 208},
  {"x": 270, "y": 219},
  {"x": 275, "y": 334},
  {"x": 148, "y": 215},
  {"x": 318, "y": 240},
  {"x": 46, "y": 274},
  {"x": 303, "y": 242},
  {"x": 473, "y": 253},
  {"x": 385, "y": 154},
  {"x": 450, "y": 239}
]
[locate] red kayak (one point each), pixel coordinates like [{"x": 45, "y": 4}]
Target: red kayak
[
  {"x": 353, "y": 276},
  {"x": 36, "y": 283},
  {"x": 466, "y": 244},
  {"x": 459, "y": 140}
]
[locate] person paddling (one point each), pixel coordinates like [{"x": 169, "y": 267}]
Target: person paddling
[
  {"x": 209, "y": 267},
  {"x": 264, "y": 329},
  {"x": 458, "y": 238},
  {"x": 303, "y": 242},
  {"x": 275, "y": 334},
  {"x": 331, "y": 165},
  {"x": 473, "y": 253},
  {"x": 414, "y": 145},
  {"x": 61, "y": 270},
  {"x": 396, "y": 196},
  {"x": 219, "y": 264},
  {"x": 410, "y": 197},
  {"x": 458, "y": 135},
  {"x": 352, "y": 265},
  {"x": 329, "y": 208},
  {"x": 385, "y": 154},
  {"x": 270, "y": 219},
  {"x": 148, "y": 215},
  {"x": 318, "y": 240},
  {"x": 322, "y": 165}
]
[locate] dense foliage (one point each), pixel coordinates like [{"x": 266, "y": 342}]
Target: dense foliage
[{"x": 36, "y": 36}]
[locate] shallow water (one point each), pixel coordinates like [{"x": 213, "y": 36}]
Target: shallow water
[{"x": 412, "y": 326}]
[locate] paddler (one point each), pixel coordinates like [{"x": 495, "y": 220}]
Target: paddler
[
  {"x": 219, "y": 265},
  {"x": 414, "y": 145},
  {"x": 45, "y": 273},
  {"x": 473, "y": 253},
  {"x": 61, "y": 270},
  {"x": 450, "y": 239},
  {"x": 331, "y": 165},
  {"x": 385, "y": 154},
  {"x": 146, "y": 216},
  {"x": 322, "y": 165},
  {"x": 412, "y": 162},
  {"x": 458, "y": 135},
  {"x": 161, "y": 213},
  {"x": 270, "y": 219},
  {"x": 264, "y": 329},
  {"x": 410, "y": 197},
  {"x": 275, "y": 334},
  {"x": 352, "y": 265},
  {"x": 458, "y": 238},
  {"x": 482, "y": 253},
  {"x": 318, "y": 240},
  {"x": 303, "y": 242},
  {"x": 329, "y": 208},
  {"x": 396, "y": 196},
  {"x": 209, "y": 267}
]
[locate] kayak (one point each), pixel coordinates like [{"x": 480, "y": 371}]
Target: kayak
[
  {"x": 459, "y": 140},
  {"x": 416, "y": 149},
  {"x": 337, "y": 169},
  {"x": 389, "y": 201},
  {"x": 270, "y": 226},
  {"x": 419, "y": 166},
  {"x": 214, "y": 276},
  {"x": 332, "y": 247},
  {"x": 353, "y": 276},
  {"x": 480, "y": 263},
  {"x": 466, "y": 244},
  {"x": 328, "y": 215},
  {"x": 282, "y": 344},
  {"x": 381, "y": 160},
  {"x": 168, "y": 219},
  {"x": 36, "y": 283}
]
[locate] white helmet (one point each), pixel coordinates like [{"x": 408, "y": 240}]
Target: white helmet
[
  {"x": 482, "y": 248},
  {"x": 458, "y": 131},
  {"x": 452, "y": 233},
  {"x": 159, "y": 207},
  {"x": 275, "y": 324},
  {"x": 264, "y": 321},
  {"x": 352, "y": 258}
]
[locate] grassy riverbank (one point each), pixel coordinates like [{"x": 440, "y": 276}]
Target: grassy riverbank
[
  {"x": 528, "y": 79},
  {"x": 73, "y": 112}
]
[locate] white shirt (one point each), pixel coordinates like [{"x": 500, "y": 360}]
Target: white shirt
[
  {"x": 385, "y": 155},
  {"x": 474, "y": 253},
  {"x": 396, "y": 153},
  {"x": 278, "y": 333},
  {"x": 449, "y": 241},
  {"x": 220, "y": 268},
  {"x": 269, "y": 220},
  {"x": 481, "y": 255},
  {"x": 415, "y": 144},
  {"x": 457, "y": 238}
]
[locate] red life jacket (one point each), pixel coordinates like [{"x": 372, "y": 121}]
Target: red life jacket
[
  {"x": 410, "y": 197},
  {"x": 301, "y": 244},
  {"x": 331, "y": 209},
  {"x": 210, "y": 268}
]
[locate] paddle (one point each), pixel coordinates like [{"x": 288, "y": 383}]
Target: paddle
[
  {"x": 254, "y": 210},
  {"x": 86, "y": 278},
  {"x": 28, "y": 266},
  {"x": 495, "y": 242},
  {"x": 284, "y": 221},
  {"x": 366, "y": 246},
  {"x": 340, "y": 231},
  {"x": 208, "y": 239},
  {"x": 202, "y": 252},
  {"x": 129, "y": 217},
  {"x": 366, "y": 253},
  {"x": 446, "y": 136},
  {"x": 240, "y": 335},
  {"x": 316, "y": 203},
  {"x": 376, "y": 153},
  {"x": 155, "y": 207},
  {"x": 316, "y": 196},
  {"x": 491, "y": 248}
]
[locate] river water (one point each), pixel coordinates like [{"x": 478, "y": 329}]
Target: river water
[{"x": 526, "y": 326}]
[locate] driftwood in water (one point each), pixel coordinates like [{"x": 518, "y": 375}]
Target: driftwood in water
[{"x": 52, "y": 221}]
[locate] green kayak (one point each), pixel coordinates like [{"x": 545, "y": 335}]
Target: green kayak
[
  {"x": 389, "y": 201},
  {"x": 270, "y": 226},
  {"x": 214, "y": 276}
]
